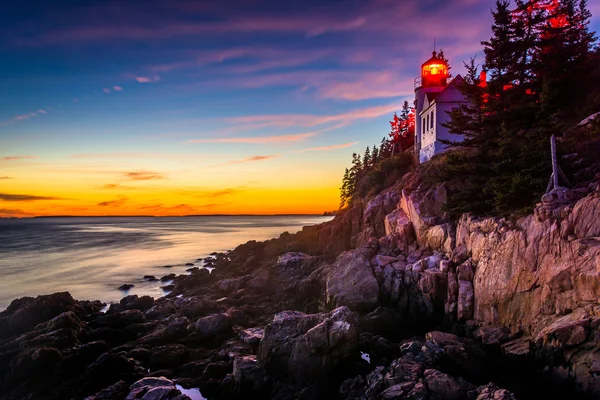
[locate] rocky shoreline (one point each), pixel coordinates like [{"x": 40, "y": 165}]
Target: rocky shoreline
[{"x": 390, "y": 300}]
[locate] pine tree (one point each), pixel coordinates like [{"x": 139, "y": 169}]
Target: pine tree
[
  {"x": 367, "y": 159},
  {"x": 344, "y": 190},
  {"x": 374, "y": 155}
]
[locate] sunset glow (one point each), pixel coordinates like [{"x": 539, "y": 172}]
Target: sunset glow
[{"x": 207, "y": 107}]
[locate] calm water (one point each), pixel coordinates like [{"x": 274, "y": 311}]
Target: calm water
[{"x": 92, "y": 257}]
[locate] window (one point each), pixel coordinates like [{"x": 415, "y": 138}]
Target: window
[
  {"x": 427, "y": 123},
  {"x": 423, "y": 125},
  {"x": 431, "y": 121}
]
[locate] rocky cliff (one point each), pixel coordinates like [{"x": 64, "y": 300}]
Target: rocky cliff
[{"x": 390, "y": 300}]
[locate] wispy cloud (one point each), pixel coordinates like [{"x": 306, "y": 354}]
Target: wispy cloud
[
  {"x": 113, "y": 203},
  {"x": 13, "y": 212},
  {"x": 117, "y": 88},
  {"x": 14, "y": 158},
  {"x": 147, "y": 79},
  {"x": 143, "y": 175},
  {"x": 326, "y": 148},
  {"x": 259, "y": 139},
  {"x": 213, "y": 194},
  {"x": 246, "y": 160},
  {"x": 25, "y": 197},
  {"x": 5, "y": 177},
  {"x": 116, "y": 186},
  {"x": 307, "y": 120}
]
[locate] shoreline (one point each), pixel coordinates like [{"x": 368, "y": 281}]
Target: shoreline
[{"x": 378, "y": 302}]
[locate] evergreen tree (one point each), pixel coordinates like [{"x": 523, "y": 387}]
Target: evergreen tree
[
  {"x": 367, "y": 159},
  {"x": 374, "y": 155},
  {"x": 345, "y": 189}
]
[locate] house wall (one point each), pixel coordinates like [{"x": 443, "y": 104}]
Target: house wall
[
  {"x": 431, "y": 144},
  {"x": 419, "y": 102},
  {"x": 428, "y": 133}
]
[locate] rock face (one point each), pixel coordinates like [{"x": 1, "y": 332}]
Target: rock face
[
  {"x": 351, "y": 282},
  {"x": 304, "y": 348},
  {"x": 424, "y": 209}
]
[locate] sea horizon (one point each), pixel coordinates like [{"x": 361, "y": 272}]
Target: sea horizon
[{"x": 91, "y": 257}]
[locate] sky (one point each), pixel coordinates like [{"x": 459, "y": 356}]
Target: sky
[{"x": 173, "y": 107}]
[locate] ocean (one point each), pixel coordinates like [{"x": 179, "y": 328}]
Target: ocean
[{"x": 90, "y": 257}]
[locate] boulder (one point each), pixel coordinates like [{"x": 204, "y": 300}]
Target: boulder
[
  {"x": 304, "y": 347},
  {"x": 251, "y": 336},
  {"x": 133, "y": 302},
  {"x": 247, "y": 373},
  {"x": 351, "y": 282},
  {"x": 213, "y": 324},
  {"x": 441, "y": 237},
  {"x": 443, "y": 386},
  {"x": 25, "y": 313},
  {"x": 424, "y": 209}
]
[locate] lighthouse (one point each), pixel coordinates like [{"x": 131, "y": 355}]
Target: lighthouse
[{"x": 436, "y": 94}]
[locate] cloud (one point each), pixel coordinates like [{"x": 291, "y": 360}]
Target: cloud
[
  {"x": 326, "y": 148},
  {"x": 116, "y": 186},
  {"x": 106, "y": 90},
  {"x": 246, "y": 160},
  {"x": 259, "y": 139},
  {"x": 113, "y": 203},
  {"x": 147, "y": 79},
  {"x": 143, "y": 175},
  {"x": 307, "y": 120},
  {"x": 219, "y": 193},
  {"x": 117, "y": 88},
  {"x": 14, "y": 158},
  {"x": 25, "y": 197},
  {"x": 5, "y": 177},
  {"x": 13, "y": 212}
]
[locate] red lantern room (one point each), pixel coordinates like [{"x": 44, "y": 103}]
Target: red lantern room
[{"x": 434, "y": 72}]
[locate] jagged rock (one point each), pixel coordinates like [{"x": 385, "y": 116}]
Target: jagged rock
[
  {"x": 400, "y": 229},
  {"x": 493, "y": 392},
  {"x": 120, "y": 319},
  {"x": 25, "y": 313},
  {"x": 466, "y": 300},
  {"x": 251, "y": 336},
  {"x": 374, "y": 213},
  {"x": 518, "y": 348},
  {"x": 213, "y": 324},
  {"x": 230, "y": 285},
  {"x": 304, "y": 347},
  {"x": 441, "y": 237},
  {"x": 247, "y": 373},
  {"x": 443, "y": 386},
  {"x": 492, "y": 335},
  {"x": 424, "y": 209},
  {"x": 133, "y": 302},
  {"x": 351, "y": 281},
  {"x": 567, "y": 331}
]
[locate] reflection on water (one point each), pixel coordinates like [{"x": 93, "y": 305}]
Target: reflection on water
[
  {"x": 193, "y": 394},
  {"x": 92, "y": 257}
]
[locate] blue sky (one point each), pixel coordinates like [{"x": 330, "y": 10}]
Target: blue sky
[{"x": 249, "y": 93}]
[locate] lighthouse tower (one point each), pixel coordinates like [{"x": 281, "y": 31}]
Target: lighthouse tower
[
  {"x": 433, "y": 79},
  {"x": 435, "y": 96}
]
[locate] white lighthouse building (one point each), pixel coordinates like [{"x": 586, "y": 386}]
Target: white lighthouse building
[{"x": 435, "y": 95}]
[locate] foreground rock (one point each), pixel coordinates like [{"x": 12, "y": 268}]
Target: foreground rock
[{"x": 304, "y": 348}]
